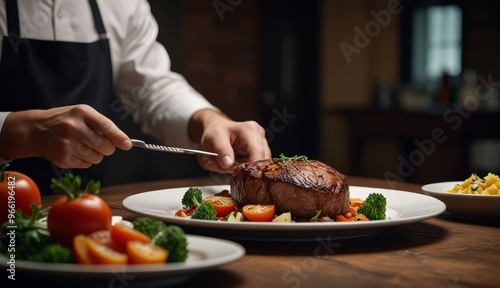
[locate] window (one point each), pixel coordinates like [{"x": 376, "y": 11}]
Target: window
[{"x": 436, "y": 43}]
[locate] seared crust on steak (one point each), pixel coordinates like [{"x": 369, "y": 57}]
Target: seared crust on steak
[{"x": 298, "y": 187}]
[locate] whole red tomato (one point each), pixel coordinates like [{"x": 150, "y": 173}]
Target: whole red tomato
[
  {"x": 78, "y": 212},
  {"x": 70, "y": 217},
  {"x": 17, "y": 192}
]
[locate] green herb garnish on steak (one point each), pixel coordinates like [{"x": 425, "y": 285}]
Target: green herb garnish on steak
[{"x": 284, "y": 159}]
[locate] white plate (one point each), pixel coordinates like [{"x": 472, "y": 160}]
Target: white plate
[
  {"x": 402, "y": 208},
  {"x": 466, "y": 205},
  {"x": 204, "y": 253}
]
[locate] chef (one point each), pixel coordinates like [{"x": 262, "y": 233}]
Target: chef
[{"x": 64, "y": 64}]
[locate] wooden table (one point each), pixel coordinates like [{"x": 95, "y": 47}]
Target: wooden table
[{"x": 438, "y": 252}]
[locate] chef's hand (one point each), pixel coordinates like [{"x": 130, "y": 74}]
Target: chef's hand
[
  {"x": 70, "y": 136},
  {"x": 233, "y": 141}
]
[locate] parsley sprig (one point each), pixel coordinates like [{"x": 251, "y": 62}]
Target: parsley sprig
[{"x": 284, "y": 159}]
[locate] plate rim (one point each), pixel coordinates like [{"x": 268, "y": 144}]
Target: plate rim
[
  {"x": 231, "y": 251},
  {"x": 307, "y": 226}
]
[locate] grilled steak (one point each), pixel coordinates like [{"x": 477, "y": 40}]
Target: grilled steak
[{"x": 299, "y": 187}]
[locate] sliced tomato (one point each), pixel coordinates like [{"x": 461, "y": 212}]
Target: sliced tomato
[
  {"x": 102, "y": 254},
  {"x": 80, "y": 249},
  {"x": 104, "y": 237},
  {"x": 258, "y": 213},
  {"x": 122, "y": 234},
  {"x": 145, "y": 253},
  {"x": 223, "y": 205}
]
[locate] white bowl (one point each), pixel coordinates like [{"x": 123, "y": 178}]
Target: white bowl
[{"x": 466, "y": 205}]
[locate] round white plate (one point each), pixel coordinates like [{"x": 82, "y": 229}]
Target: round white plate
[
  {"x": 204, "y": 253},
  {"x": 402, "y": 208},
  {"x": 466, "y": 205}
]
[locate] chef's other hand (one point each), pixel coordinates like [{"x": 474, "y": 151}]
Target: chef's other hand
[
  {"x": 233, "y": 141},
  {"x": 70, "y": 136}
]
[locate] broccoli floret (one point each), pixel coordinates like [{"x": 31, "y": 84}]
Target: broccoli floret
[
  {"x": 192, "y": 198},
  {"x": 170, "y": 237},
  {"x": 149, "y": 226},
  {"x": 374, "y": 206},
  {"x": 174, "y": 240},
  {"x": 205, "y": 211},
  {"x": 54, "y": 253}
]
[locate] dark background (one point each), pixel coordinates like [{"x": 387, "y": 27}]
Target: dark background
[{"x": 270, "y": 61}]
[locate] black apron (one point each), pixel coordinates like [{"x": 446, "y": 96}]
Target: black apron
[{"x": 39, "y": 74}]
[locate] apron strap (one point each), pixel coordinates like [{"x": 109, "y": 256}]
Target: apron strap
[
  {"x": 99, "y": 24},
  {"x": 12, "y": 18}
]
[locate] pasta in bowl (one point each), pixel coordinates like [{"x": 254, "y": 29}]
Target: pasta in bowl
[
  {"x": 488, "y": 185},
  {"x": 471, "y": 198}
]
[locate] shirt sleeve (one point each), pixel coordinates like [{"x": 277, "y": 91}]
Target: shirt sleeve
[
  {"x": 160, "y": 100},
  {"x": 3, "y": 115}
]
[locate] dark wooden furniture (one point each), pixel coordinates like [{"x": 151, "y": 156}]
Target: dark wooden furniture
[{"x": 434, "y": 146}]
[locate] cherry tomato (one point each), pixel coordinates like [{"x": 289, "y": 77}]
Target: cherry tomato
[
  {"x": 122, "y": 234},
  {"x": 17, "y": 192},
  {"x": 102, "y": 254},
  {"x": 139, "y": 252},
  {"x": 222, "y": 205},
  {"x": 70, "y": 217},
  {"x": 258, "y": 213}
]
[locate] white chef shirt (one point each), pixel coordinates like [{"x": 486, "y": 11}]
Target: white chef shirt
[{"x": 160, "y": 100}]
